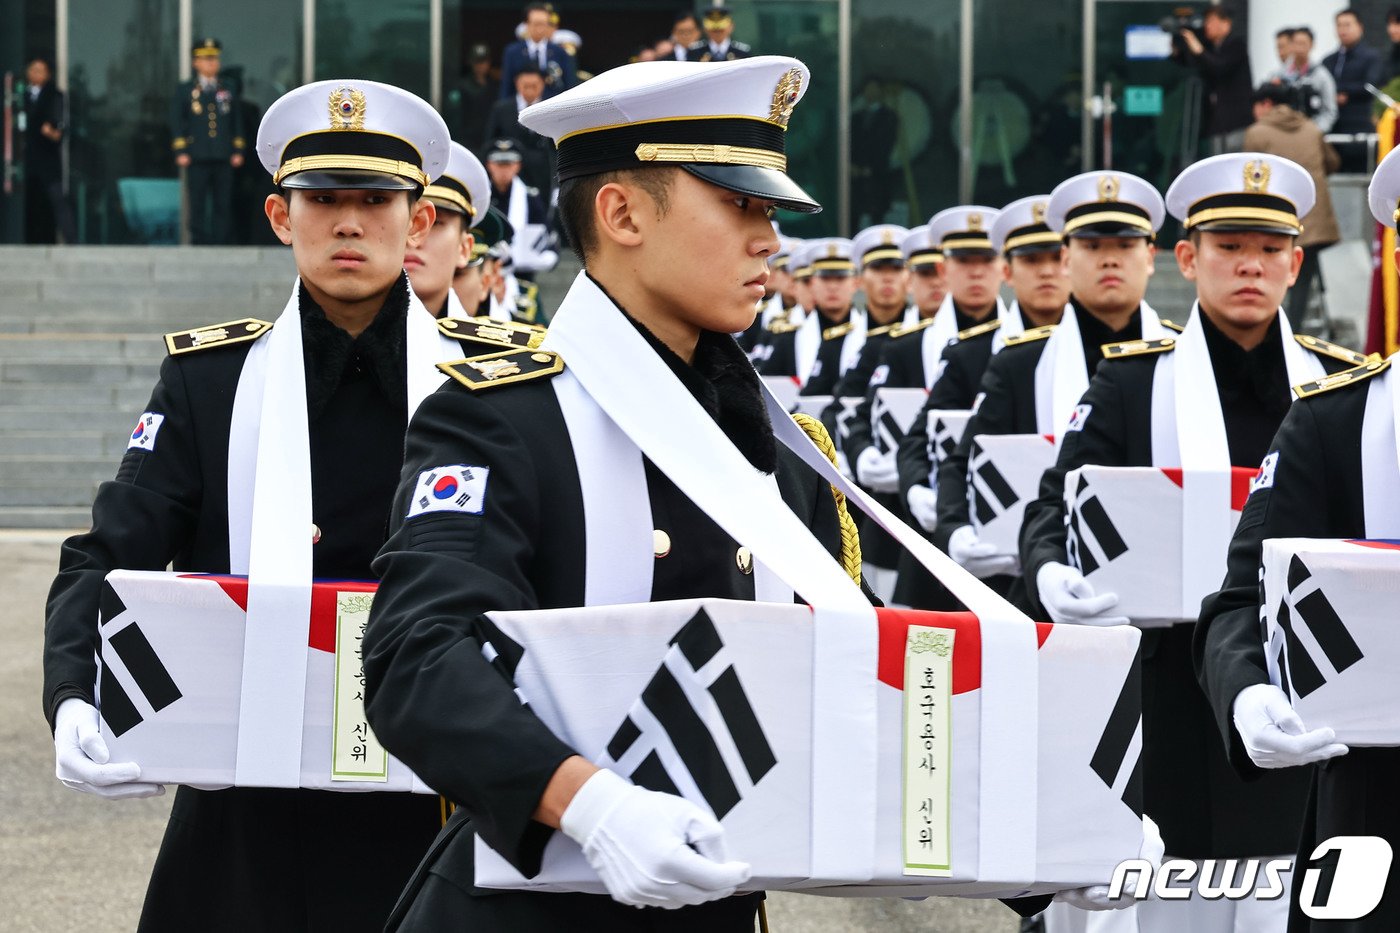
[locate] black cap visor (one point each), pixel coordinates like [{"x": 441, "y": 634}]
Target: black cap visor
[
  {"x": 1106, "y": 229},
  {"x": 1241, "y": 225},
  {"x": 968, "y": 252},
  {"x": 1032, "y": 248},
  {"x": 323, "y": 180},
  {"x": 757, "y": 182},
  {"x": 493, "y": 228}
]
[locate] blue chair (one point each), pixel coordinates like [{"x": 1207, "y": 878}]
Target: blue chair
[{"x": 151, "y": 207}]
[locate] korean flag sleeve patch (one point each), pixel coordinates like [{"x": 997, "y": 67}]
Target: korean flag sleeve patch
[
  {"x": 1265, "y": 479},
  {"x": 455, "y": 488},
  {"x": 147, "y": 426},
  {"x": 1078, "y": 417}
]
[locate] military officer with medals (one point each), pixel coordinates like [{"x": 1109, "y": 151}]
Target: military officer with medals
[
  {"x": 206, "y": 129},
  {"x": 1040, "y": 287},
  {"x": 1330, "y": 472},
  {"x": 273, "y": 450},
  {"x": 828, "y": 341},
  {"x": 719, "y": 44},
  {"x": 1208, "y": 398}
]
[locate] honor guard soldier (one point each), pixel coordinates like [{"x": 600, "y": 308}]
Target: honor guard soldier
[
  {"x": 1108, "y": 220},
  {"x": 206, "y": 128},
  {"x": 1040, "y": 287},
  {"x": 1205, "y": 399},
  {"x": 719, "y": 44},
  {"x": 924, "y": 259},
  {"x": 801, "y": 266},
  {"x": 460, "y": 193},
  {"x": 275, "y": 449},
  {"x": 1330, "y": 472},
  {"x": 472, "y": 284},
  {"x": 828, "y": 341}
]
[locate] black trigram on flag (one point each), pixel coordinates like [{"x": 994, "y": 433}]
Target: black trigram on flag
[
  {"x": 1090, "y": 530},
  {"x": 1110, "y": 761},
  {"x": 693, "y": 725},
  {"x": 147, "y": 675},
  {"x": 1306, "y": 606},
  {"x": 846, "y": 411},
  {"x": 942, "y": 440},
  {"x": 988, "y": 492},
  {"x": 888, "y": 432}
]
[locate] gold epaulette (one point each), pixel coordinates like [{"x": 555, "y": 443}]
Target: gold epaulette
[
  {"x": 1118, "y": 351},
  {"x": 1030, "y": 336},
  {"x": 1344, "y": 378},
  {"x": 879, "y": 331},
  {"x": 1327, "y": 348},
  {"x": 900, "y": 329},
  {"x": 216, "y": 335},
  {"x": 783, "y": 327},
  {"x": 840, "y": 330},
  {"x": 487, "y": 330},
  {"x": 1172, "y": 325},
  {"x": 504, "y": 367},
  {"x": 977, "y": 330}
]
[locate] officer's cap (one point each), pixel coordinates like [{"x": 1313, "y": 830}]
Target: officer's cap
[
  {"x": 879, "y": 244},
  {"x": 1105, "y": 204},
  {"x": 503, "y": 150},
  {"x": 724, "y": 122},
  {"x": 1384, "y": 193},
  {"x": 831, "y": 257},
  {"x": 920, "y": 249},
  {"x": 1242, "y": 191},
  {"x": 799, "y": 261},
  {"x": 207, "y": 48},
  {"x": 782, "y": 259},
  {"x": 1020, "y": 227},
  {"x": 464, "y": 187},
  {"x": 352, "y": 134},
  {"x": 964, "y": 230},
  {"x": 718, "y": 17},
  {"x": 491, "y": 227}
]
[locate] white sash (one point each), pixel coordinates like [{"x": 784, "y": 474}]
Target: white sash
[
  {"x": 518, "y": 208},
  {"x": 805, "y": 345},
  {"x": 1380, "y": 455},
  {"x": 1011, "y": 326},
  {"x": 943, "y": 331},
  {"x": 648, "y": 404},
  {"x": 269, "y": 530},
  {"x": 455, "y": 308},
  {"x": 1188, "y": 430},
  {"x": 854, "y": 341}
]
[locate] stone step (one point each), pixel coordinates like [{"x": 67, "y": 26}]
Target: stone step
[
  {"x": 63, "y": 444},
  {"x": 64, "y": 372},
  {"x": 130, "y": 397},
  {"x": 34, "y": 470},
  {"x": 67, "y": 419},
  {"x": 74, "y": 495},
  {"x": 80, "y": 346},
  {"x": 76, "y": 518}
]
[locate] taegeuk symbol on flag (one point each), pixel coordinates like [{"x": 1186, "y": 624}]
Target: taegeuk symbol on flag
[{"x": 455, "y": 488}]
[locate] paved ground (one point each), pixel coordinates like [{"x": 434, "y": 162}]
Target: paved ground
[{"x": 73, "y": 862}]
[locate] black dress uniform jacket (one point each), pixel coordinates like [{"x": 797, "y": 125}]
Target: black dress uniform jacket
[
  {"x": 430, "y": 689},
  {"x": 249, "y": 858},
  {"x": 206, "y": 124},
  {"x": 826, "y": 371},
  {"x": 1316, "y": 493},
  {"x": 1201, "y": 806}
]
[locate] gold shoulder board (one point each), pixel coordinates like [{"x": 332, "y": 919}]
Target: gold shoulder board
[
  {"x": 1344, "y": 378},
  {"x": 1327, "y": 348},
  {"x": 504, "y": 367},
  {"x": 1172, "y": 325},
  {"x": 1031, "y": 336},
  {"x": 977, "y": 330},
  {"x": 840, "y": 330},
  {"x": 900, "y": 329},
  {"x": 216, "y": 335},
  {"x": 877, "y": 331},
  {"x": 1118, "y": 351},
  {"x": 486, "y": 330},
  {"x": 782, "y": 327}
]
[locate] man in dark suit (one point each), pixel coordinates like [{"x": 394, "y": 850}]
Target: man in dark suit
[
  {"x": 553, "y": 61},
  {"x": 685, "y": 32},
  {"x": 536, "y": 152},
  {"x": 45, "y": 208},
  {"x": 1353, "y": 66},
  {"x": 1222, "y": 60},
  {"x": 719, "y": 44}
]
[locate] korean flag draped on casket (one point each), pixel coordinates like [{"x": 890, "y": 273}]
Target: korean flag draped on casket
[
  {"x": 1003, "y": 474},
  {"x": 1330, "y": 634},
  {"x": 892, "y": 413}
]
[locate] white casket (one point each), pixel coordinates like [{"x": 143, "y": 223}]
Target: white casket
[
  {"x": 784, "y": 389},
  {"x": 892, "y": 414},
  {"x": 171, "y": 679},
  {"x": 945, "y": 431},
  {"x": 812, "y": 405},
  {"x": 1003, "y": 475},
  {"x": 1126, "y": 534},
  {"x": 1330, "y": 634},
  {"x": 1007, "y": 769}
]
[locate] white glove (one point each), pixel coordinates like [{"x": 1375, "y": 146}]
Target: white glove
[
  {"x": 1095, "y": 896},
  {"x": 979, "y": 559},
  {"x": 650, "y": 849},
  {"x": 876, "y": 471},
  {"x": 1069, "y": 598},
  {"x": 1273, "y": 733},
  {"x": 923, "y": 505},
  {"x": 80, "y": 755}
]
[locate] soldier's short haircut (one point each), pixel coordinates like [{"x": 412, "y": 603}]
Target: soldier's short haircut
[{"x": 576, "y": 197}]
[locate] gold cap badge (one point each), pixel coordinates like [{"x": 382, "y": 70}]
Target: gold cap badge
[
  {"x": 832, "y": 251},
  {"x": 1038, "y": 212},
  {"x": 974, "y": 220},
  {"x": 785, "y": 97},
  {"x": 347, "y": 109},
  {"x": 1256, "y": 176},
  {"x": 887, "y": 238},
  {"x": 1108, "y": 188}
]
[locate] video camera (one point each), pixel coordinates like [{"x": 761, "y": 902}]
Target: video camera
[{"x": 1183, "y": 17}]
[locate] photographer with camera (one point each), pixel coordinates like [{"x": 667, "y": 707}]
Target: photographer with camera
[
  {"x": 1311, "y": 90},
  {"x": 1221, "y": 58}
]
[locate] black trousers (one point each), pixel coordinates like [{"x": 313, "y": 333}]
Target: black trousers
[
  {"x": 210, "y": 186},
  {"x": 1297, "y": 301},
  {"x": 46, "y": 210}
]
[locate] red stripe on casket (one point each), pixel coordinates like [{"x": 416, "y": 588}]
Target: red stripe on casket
[
  {"x": 967, "y": 651},
  {"x": 1240, "y": 478},
  {"x": 1380, "y": 544},
  {"x": 321, "y": 634}
]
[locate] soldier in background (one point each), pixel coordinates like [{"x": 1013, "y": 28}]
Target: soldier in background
[
  {"x": 719, "y": 44},
  {"x": 206, "y": 128}
]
